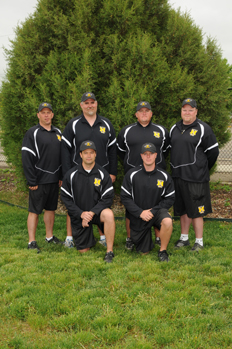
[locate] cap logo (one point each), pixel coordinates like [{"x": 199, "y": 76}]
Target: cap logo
[
  {"x": 102, "y": 129},
  {"x": 88, "y": 144},
  {"x": 97, "y": 182},
  {"x": 89, "y": 94},
  {"x": 147, "y": 146},
  {"x": 188, "y": 100},
  {"x": 44, "y": 104},
  {"x": 160, "y": 183},
  {"x": 143, "y": 103}
]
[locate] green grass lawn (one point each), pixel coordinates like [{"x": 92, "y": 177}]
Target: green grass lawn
[{"x": 62, "y": 299}]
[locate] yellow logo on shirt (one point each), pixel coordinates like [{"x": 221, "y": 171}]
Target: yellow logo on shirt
[
  {"x": 193, "y": 132},
  {"x": 201, "y": 209},
  {"x": 102, "y": 129},
  {"x": 59, "y": 137},
  {"x": 97, "y": 182},
  {"x": 160, "y": 183},
  {"x": 156, "y": 134}
]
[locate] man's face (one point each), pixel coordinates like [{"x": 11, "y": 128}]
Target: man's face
[
  {"x": 89, "y": 107},
  {"x": 88, "y": 156},
  {"x": 148, "y": 158},
  {"x": 144, "y": 116},
  {"x": 45, "y": 117},
  {"x": 188, "y": 114}
]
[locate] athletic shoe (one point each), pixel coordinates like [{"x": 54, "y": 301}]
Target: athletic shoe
[
  {"x": 109, "y": 257},
  {"x": 55, "y": 240},
  {"x": 182, "y": 243},
  {"x": 103, "y": 242},
  {"x": 33, "y": 246},
  {"x": 129, "y": 244},
  {"x": 69, "y": 243},
  {"x": 163, "y": 256},
  {"x": 197, "y": 247},
  {"x": 157, "y": 242}
]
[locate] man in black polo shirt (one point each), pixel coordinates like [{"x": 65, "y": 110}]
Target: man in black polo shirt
[
  {"x": 89, "y": 125},
  {"x": 194, "y": 151},
  {"x": 129, "y": 142},
  {"x": 148, "y": 192},
  {"x": 87, "y": 193},
  {"x": 41, "y": 159}
]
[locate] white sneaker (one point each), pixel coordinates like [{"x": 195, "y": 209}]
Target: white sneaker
[{"x": 69, "y": 243}]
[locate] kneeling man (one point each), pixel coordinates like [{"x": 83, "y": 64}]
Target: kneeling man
[
  {"x": 148, "y": 192},
  {"x": 87, "y": 193}
]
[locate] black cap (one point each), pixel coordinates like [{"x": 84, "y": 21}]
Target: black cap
[
  {"x": 88, "y": 95},
  {"x": 87, "y": 145},
  {"x": 45, "y": 105},
  {"x": 190, "y": 101},
  {"x": 143, "y": 104},
  {"x": 148, "y": 147}
]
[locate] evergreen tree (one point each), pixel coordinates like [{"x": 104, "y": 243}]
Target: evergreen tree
[{"x": 124, "y": 51}]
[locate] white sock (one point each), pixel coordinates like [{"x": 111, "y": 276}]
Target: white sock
[
  {"x": 184, "y": 237},
  {"x": 102, "y": 237},
  {"x": 69, "y": 238},
  {"x": 157, "y": 238},
  {"x": 48, "y": 239},
  {"x": 199, "y": 241}
]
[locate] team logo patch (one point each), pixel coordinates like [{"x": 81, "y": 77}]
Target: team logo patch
[
  {"x": 58, "y": 137},
  {"x": 193, "y": 132},
  {"x": 97, "y": 182},
  {"x": 45, "y": 104},
  {"x": 201, "y": 209},
  {"x": 188, "y": 100},
  {"x": 160, "y": 183},
  {"x": 156, "y": 134},
  {"x": 102, "y": 129}
]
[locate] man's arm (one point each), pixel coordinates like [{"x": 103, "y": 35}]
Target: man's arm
[
  {"x": 29, "y": 159},
  {"x": 112, "y": 153},
  {"x": 67, "y": 148},
  {"x": 127, "y": 198},
  {"x": 107, "y": 195},
  {"x": 121, "y": 149}
]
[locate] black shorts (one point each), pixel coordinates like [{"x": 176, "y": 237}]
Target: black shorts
[
  {"x": 143, "y": 238},
  {"x": 45, "y": 197},
  {"x": 83, "y": 237},
  {"x": 191, "y": 198}
]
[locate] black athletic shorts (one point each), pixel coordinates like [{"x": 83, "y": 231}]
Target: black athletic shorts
[
  {"x": 45, "y": 197},
  {"x": 191, "y": 198},
  {"x": 143, "y": 238},
  {"x": 83, "y": 237}
]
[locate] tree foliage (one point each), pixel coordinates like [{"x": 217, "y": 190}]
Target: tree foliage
[{"x": 124, "y": 51}]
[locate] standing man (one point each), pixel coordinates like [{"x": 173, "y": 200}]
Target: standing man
[
  {"x": 92, "y": 126},
  {"x": 129, "y": 143},
  {"x": 148, "y": 192},
  {"x": 87, "y": 193},
  {"x": 194, "y": 151},
  {"x": 41, "y": 157}
]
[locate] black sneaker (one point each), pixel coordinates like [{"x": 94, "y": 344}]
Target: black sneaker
[
  {"x": 55, "y": 240},
  {"x": 163, "y": 256},
  {"x": 196, "y": 247},
  {"x": 158, "y": 242},
  {"x": 33, "y": 246},
  {"x": 129, "y": 244},
  {"x": 181, "y": 243},
  {"x": 109, "y": 257}
]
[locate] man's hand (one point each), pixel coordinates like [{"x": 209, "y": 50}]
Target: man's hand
[
  {"x": 87, "y": 216},
  {"x": 34, "y": 188},
  {"x": 60, "y": 183},
  {"x": 146, "y": 215},
  {"x": 113, "y": 178}
]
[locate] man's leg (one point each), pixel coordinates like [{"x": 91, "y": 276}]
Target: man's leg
[
  {"x": 32, "y": 222},
  {"x": 185, "y": 223},
  {"x": 49, "y": 218},
  {"x": 107, "y": 217},
  {"x": 165, "y": 233},
  {"x": 198, "y": 224}
]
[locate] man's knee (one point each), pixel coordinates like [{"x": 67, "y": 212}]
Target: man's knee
[
  {"x": 166, "y": 223},
  {"x": 107, "y": 215}
]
